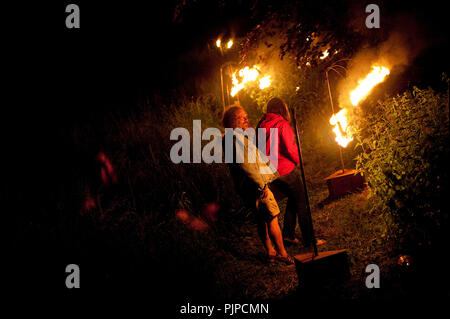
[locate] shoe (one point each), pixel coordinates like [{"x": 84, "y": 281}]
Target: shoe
[
  {"x": 288, "y": 260},
  {"x": 271, "y": 259},
  {"x": 319, "y": 242}
]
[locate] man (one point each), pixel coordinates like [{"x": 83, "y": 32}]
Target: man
[{"x": 252, "y": 173}]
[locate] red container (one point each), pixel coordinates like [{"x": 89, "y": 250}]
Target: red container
[{"x": 341, "y": 183}]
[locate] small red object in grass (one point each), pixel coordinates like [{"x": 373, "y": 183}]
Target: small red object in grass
[
  {"x": 191, "y": 221},
  {"x": 182, "y": 215},
  {"x": 107, "y": 172},
  {"x": 89, "y": 204},
  {"x": 198, "y": 224},
  {"x": 211, "y": 210}
]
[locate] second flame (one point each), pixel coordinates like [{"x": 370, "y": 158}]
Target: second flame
[
  {"x": 339, "y": 120},
  {"x": 248, "y": 75}
]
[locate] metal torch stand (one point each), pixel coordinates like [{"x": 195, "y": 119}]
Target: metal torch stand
[{"x": 317, "y": 268}]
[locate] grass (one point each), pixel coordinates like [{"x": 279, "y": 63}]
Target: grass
[{"x": 344, "y": 223}]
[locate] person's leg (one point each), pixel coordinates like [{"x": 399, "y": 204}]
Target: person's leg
[
  {"x": 297, "y": 206},
  {"x": 268, "y": 211},
  {"x": 281, "y": 190},
  {"x": 275, "y": 235},
  {"x": 264, "y": 235}
]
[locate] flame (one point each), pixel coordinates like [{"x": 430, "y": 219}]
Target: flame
[
  {"x": 218, "y": 42},
  {"x": 339, "y": 120},
  {"x": 265, "y": 82},
  {"x": 341, "y": 129},
  {"x": 377, "y": 75},
  {"x": 248, "y": 75},
  {"x": 324, "y": 54},
  {"x": 236, "y": 85},
  {"x": 230, "y": 44}
]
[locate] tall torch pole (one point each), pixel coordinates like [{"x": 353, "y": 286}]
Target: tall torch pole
[
  {"x": 332, "y": 109},
  {"x": 221, "y": 85},
  {"x": 308, "y": 208},
  {"x": 219, "y": 45},
  {"x": 225, "y": 91}
]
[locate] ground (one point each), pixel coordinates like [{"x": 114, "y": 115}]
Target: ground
[{"x": 343, "y": 223}]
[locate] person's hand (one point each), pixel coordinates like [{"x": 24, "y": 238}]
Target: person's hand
[
  {"x": 267, "y": 203},
  {"x": 265, "y": 193}
]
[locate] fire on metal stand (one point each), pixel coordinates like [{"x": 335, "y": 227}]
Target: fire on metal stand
[{"x": 346, "y": 180}]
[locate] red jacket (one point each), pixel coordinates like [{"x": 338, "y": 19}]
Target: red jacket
[{"x": 287, "y": 148}]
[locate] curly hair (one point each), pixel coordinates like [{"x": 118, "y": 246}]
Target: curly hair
[{"x": 229, "y": 115}]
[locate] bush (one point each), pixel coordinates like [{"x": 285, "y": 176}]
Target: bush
[{"x": 405, "y": 152}]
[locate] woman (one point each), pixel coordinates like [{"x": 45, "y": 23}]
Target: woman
[{"x": 289, "y": 183}]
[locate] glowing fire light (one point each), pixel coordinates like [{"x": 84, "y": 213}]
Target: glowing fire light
[
  {"x": 236, "y": 85},
  {"x": 339, "y": 120},
  {"x": 264, "y": 82},
  {"x": 341, "y": 129},
  {"x": 248, "y": 75},
  {"x": 218, "y": 42},
  {"x": 377, "y": 75},
  {"x": 230, "y": 44},
  {"x": 324, "y": 54}
]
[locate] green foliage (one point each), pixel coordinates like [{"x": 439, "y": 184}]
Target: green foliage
[{"x": 405, "y": 158}]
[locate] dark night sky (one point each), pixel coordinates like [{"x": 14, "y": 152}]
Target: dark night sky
[{"x": 121, "y": 51}]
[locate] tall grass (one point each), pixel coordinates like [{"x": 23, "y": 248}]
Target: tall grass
[{"x": 141, "y": 210}]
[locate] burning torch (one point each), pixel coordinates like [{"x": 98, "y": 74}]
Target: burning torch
[
  {"x": 346, "y": 181},
  {"x": 228, "y": 45},
  {"x": 338, "y": 120}
]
